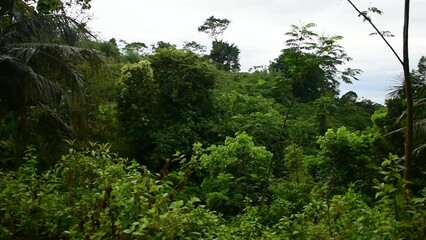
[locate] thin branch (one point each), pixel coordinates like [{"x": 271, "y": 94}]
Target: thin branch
[
  {"x": 271, "y": 163},
  {"x": 378, "y": 32}
]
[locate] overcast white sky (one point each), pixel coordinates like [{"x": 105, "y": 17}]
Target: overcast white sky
[{"x": 258, "y": 27}]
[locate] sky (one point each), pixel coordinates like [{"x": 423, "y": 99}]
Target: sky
[{"x": 258, "y": 29}]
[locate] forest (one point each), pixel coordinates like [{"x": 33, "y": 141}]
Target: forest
[{"x": 106, "y": 139}]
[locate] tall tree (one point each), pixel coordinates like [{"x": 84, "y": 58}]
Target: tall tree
[
  {"x": 137, "y": 105},
  {"x": 195, "y": 48},
  {"x": 308, "y": 79},
  {"x": 419, "y": 125},
  {"x": 183, "y": 102},
  {"x": 133, "y": 52},
  {"x": 307, "y": 51},
  {"x": 313, "y": 63},
  {"x": 39, "y": 57},
  {"x": 223, "y": 54},
  {"x": 214, "y": 27},
  {"x": 407, "y": 78}
]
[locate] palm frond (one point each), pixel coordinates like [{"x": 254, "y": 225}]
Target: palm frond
[
  {"x": 57, "y": 35},
  {"x": 418, "y": 150},
  {"x": 20, "y": 84},
  {"x": 39, "y": 60},
  {"x": 420, "y": 128},
  {"x": 25, "y": 51},
  {"x": 62, "y": 59},
  {"x": 64, "y": 129},
  {"x": 46, "y": 28},
  {"x": 66, "y": 67},
  {"x": 397, "y": 90}
]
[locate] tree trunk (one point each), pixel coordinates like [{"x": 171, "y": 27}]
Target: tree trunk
[
  {"x": 407, "y": 85},
  {"x": 409, "y": 96}
]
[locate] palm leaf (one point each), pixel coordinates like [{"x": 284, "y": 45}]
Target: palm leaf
[
  {"x": 418, "y": 150},
  {"x": 22, "y": 86},
  {"x": 46, "y": 28},
  {"x": 64, "y": 130},
  {"x": 40, "y": 55},
  {"x": 25, "y": 51}
]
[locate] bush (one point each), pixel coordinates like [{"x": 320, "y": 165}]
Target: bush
[
  {"x": 235, "y": 174},
  {"x": 95, "y": 195}
]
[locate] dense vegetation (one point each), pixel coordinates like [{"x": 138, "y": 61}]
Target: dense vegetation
[{"x": 99, "y": 141}]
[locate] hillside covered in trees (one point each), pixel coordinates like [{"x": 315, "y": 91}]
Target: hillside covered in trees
[{"x": 116, "y": 140}]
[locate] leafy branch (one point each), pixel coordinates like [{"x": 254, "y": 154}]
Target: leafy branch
[{"x": 382, "y": 34}]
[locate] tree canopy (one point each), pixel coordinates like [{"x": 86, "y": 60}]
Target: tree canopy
[
  {"x": 109, "y": 139},
  {"x": 214, "y": 27}
]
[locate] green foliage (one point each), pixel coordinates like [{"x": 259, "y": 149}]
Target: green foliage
[
  {"x": 361, "y": 111},
  {"x": 195, "y": 48},
  {"x": 303, "y": 131},
  {"x": 225, "y": 56},
  {"x": 214, "y": 27},
  {"x": 46, "y": 6},
  {"x": 139, "y": 93},
  {"x": 21, "y": 9},
  {"x": 350, "y": 216},
  {"x": 313, "y": 63},
  {"x": 384, "y": 123},
  {"x": 286, "y": 198},
  {"x": 133, "y": 52},
  {"x": 93, "y": 194},
  {"x": 324, "y": 106},
  {"x": 293, "y": 161},
  {"x": 108, "y": 48},
  {"x": 270, "y": 85},
  {"x": 342, "y": 217},
  {"x": 48, "y": 99},
  {"x": 163, "y": 101},
  {"x": 234, "y": 174},
  {"x": 137, "y": 105},
  {"x": 392, "y": 187},
  {"x": 185, "y": 82},
  {"x": 347, "y": 155},
  {"x": 162, "y": 45},
  {"x": 396, "y": 105},
  {"x": 308, "y": 81},
  {"x": 256, "y": 115}
]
